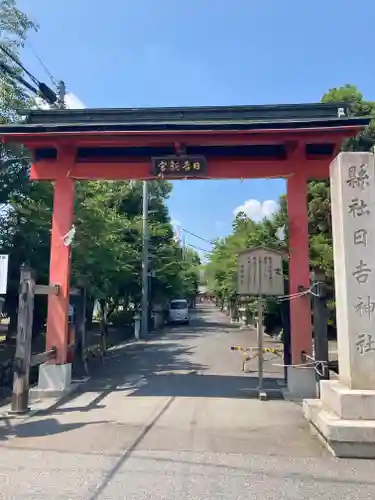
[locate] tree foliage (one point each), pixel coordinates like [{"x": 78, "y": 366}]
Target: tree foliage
[
  {"x": 108, "y": 240},
  {"x": 221, "y": 270}
]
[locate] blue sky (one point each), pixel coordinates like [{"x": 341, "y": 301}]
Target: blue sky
[{"x": 126, "y": 53}]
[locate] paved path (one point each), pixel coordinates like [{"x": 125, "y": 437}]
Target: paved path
[{"x": 173, "y": 418}]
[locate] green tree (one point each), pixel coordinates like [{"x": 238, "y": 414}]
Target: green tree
[
  {"x": 320, "y": 225},
  {"x": 15, "y": 189},
  {"x": 221, "y": 270},
  {"x": 108, "y": 219},
  {"x": 107, "y": 249}
]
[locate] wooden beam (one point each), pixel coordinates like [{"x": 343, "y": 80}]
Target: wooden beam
[
  {"x": 42, "y": 357},
  {"x": 50, "y": 138},
  {"x": 46, "y": 289},
  {"x": 202, "y": 138},
  {"x": 216, "y": 169}
]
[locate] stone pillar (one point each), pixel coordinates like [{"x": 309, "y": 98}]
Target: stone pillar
[
  {"x": 353, "y": 225},
  {"x": 345, "y": 414}
]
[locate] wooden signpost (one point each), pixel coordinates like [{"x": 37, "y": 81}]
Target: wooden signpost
[
  {"x": 4, "y": 260},
  {"x": 260, "y": 273},
  {"x": 22, "y": 360}
]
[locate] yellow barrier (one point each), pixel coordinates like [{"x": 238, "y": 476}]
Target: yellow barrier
[
  {"x": 249, "y": 353},
  {"x": 273, "y": 350}
]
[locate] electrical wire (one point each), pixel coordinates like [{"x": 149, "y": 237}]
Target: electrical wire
[
  {"x": 196, "y": 236},
  {"x": 42, "y": 89},
  {"x": 19, "y": 64},
  {"x": 17, "y": 77},
  {"x": 47, "y": 71},
  {"x": 198, "y": 248}
]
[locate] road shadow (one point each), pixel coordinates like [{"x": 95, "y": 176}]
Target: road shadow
[
  {"x": 207, "y": 325},
  {"x": 164, "y": 365},
  {"x": 146, "y": 359},
  {"x": 195, "y": 385},
  {"x": 10, "y": 428}
]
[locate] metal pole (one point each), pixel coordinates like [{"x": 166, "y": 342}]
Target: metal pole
[
  {"x": 144, "y": 306},
  {"x": 260, "y": 343}
]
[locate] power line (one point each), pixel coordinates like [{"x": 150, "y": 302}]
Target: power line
[
  {"x": 196, "y": 236},
  {"x": 60, "y": 85},
  {"x": 17, "y": 77},
  {"x": 47, "y": 71},
  {"x": 198, "y": 248},
  {"x": 16, "y": 61},
  {"x": 42, "y": 89}
]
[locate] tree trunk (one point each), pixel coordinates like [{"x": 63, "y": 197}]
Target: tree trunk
[
  {"x": 90, "y": 302},
  {"x": 248, "y": 315},
  {"x": 112, "y": 308},
  {"x": 227, "y": 307},
  {"x": 125, "y": 303},
  {"x": 103, "y": 323},
  {"x": 233, "y": 310}
]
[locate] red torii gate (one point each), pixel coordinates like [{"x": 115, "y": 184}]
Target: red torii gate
[{"x": 296, "y": 142}]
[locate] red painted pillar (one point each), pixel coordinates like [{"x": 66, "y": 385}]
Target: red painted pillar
[
  {"x": 299, "y": 268},
  {"x": 59, "y": 274}
]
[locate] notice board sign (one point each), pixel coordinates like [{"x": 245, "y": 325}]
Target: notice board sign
[
  {"x": 260, "y": 272},
  {"x": 3, "y": 273}
]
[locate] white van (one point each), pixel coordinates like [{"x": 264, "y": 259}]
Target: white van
[{"x": 179, "y": 311}]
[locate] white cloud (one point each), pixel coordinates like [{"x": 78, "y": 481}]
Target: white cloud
[
  {"x": 257, "y": 210},
  {"x": 73, "y": 102}
]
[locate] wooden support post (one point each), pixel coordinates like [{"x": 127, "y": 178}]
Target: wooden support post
[
  {"x": 320, "y": 315},
  {"x": 80, "y": 321},
  {"x": 22, "y": 361},
  {"x": 285, "y": 313},
  {"x": 46, "y": 289}
]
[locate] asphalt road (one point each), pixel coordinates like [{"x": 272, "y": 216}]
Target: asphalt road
[{"x": 174, "y": 417}]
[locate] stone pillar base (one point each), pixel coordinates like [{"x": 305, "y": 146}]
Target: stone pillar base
[
  {"x": 344, "y": 419},
  {"x": 301, "y": 382},
  {"x": 54, "y": 381}
]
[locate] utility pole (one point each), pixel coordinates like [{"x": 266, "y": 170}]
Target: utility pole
[
  {"x": 183, "y": 246},
  {"x": 144, "y": 304},
  {"x": 61, "y": 93}
]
